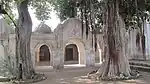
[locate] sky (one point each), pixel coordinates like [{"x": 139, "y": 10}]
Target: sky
[{"x": 53, "y": 22}]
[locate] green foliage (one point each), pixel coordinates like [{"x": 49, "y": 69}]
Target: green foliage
[
  {"x": 8, "y": 20},
  {"x": 92, "y": 13},
  {"x": 65, "y": 8},
  {"x": 9, "y": 6},
  {"x": 42, "y": 9},
  {"x": 135, "y": 12}
]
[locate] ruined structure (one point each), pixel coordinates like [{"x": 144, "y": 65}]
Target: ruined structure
[{"x": 66, "y": 45}]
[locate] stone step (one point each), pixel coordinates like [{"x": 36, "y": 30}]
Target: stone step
[
  {"x": 140, "y": 64},
  {"x": 140, "y": 68}
]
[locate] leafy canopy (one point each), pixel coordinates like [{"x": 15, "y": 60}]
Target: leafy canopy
[
  {"x": 133, "y": 11},
  {"x": 42, "y": 7}
]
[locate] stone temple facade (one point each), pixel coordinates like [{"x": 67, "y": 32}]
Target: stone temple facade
[{"x": 65, "y": 45}]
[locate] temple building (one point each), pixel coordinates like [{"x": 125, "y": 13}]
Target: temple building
[{"x": 65, "y": 45}]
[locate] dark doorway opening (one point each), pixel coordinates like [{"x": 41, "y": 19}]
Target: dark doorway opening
[
  {"x": 71, "y": 54},
  {"x": 44, "y": 56}
]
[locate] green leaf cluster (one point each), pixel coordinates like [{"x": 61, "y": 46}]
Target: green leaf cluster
[
  {"x": 42, "y": 8},
  {"x": 134, "y": 12},
  {"x": 64, "y": 8}
]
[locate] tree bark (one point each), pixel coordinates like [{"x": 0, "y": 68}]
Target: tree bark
[
  {"x": 143, "y": 41},
  {"x": 116, "y": 61},
  {"x": 25, "y": 68}
]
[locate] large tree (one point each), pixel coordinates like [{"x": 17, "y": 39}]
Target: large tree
[
  {"x": 115, "y": 16},
  {"x": 23, "y": 28}
]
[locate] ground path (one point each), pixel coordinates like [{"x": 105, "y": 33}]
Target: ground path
[{"x": 78, "y": 76}]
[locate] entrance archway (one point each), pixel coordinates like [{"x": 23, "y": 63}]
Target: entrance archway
[
  {"x": 78, "y": 47},
  {"x": 43, "y": 56},
  {"x": 71, "y": 54}
]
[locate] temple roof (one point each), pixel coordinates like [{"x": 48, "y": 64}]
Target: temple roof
[{"x": 43, "y": 28}]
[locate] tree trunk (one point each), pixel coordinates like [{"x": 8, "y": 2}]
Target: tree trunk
[
  {"x": 116, "y": 62},
  {"x": 143, "y": 40},
  {"x": 23, "y": 35}
]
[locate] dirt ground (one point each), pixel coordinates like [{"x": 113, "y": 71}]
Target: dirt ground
[{"x": 78, "y": 76}]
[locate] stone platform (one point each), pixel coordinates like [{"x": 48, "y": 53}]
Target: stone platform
[{"x": 140, "y": 65}]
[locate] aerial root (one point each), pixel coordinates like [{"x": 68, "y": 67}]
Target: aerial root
[{"x": 133, "y": 75}]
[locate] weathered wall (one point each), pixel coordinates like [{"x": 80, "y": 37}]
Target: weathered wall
[
  {"x": 37, "y": 40},
  {"x": 68, "y": 32},
  {"x": 147, "y": 41}
]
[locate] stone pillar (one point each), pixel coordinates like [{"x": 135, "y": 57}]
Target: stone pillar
[
  {"x": 100, "y": 56},
  {"x": 2, "y": 52},
  {"x": 61, "y": 54},
  {"x": 147, "y": 41},
  {"x": 82, "y": 57},
  {"x": 90, "y": 58},
  {"x": 33, "y": 57},
  {"x": 58, "y": 61}
]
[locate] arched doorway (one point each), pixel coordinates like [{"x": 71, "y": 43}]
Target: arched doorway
[
  {"x": 80, "y": 48},
  {"x": 71, "y": 54},
  {"x": 43, "y": 56}
]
